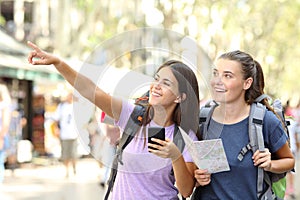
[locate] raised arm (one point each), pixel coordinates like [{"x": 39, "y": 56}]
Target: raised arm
[{"x": 86, "y": 87}]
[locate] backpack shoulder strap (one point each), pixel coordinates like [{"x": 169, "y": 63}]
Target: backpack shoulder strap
[
  {"x": 256, "y": 140},
  {"x": 178, "y": 139},
  {"x": 179, "y": 142},
  {"x": 132, "y": 126},
  {"x": 261, "y": 97},
  {"x": 257, "y": 113},
  {"x": 205, "y": 116},
  {"x": 263, "y": 176}
]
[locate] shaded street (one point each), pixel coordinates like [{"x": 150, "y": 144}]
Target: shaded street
[{"x": 48, "y": 182}]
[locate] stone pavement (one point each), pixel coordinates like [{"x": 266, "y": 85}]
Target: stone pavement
[
  {"x": 31, "y": 182},
  {"x": 296, "y": 179},
  {"x": 48, "y": 182}
]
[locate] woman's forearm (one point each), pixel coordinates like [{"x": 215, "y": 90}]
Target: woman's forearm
[
  {"x": 282, "y": 165},
  {"x": 77, "y": 80},
  {"x": 94, "y": 94},
  {"x": 183, "y": 172}
]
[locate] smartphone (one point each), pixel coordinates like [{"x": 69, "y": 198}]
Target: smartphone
[{"x": 155, "y": 132}]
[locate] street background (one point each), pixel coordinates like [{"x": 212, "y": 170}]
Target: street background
[{"x": 48, "y": 182}]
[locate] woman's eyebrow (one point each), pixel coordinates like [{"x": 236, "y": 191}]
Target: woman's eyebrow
[
  {"x": 165, "y": 79},
  {"x": 225, "y": 72},
  {"x": 228, "y": 72}
]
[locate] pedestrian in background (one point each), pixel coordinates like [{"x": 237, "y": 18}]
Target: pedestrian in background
[
  {"x": 108, "y": 147},
  {"x": 292, "y": 127},
  {"x": 5, "y": 117},
  {"x": 174, "y": 101},
  {"x": 18, "y": 121},
  {"x": 67, "y": 133},
  {"x": 297, "y": 119}
]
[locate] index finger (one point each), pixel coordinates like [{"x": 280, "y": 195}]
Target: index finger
[{"x": 32, "y": 45}]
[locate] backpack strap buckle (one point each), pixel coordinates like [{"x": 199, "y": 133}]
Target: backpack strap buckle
[
  {"x": 244, "y": 151},
  {"x": 119, "y": 156}
]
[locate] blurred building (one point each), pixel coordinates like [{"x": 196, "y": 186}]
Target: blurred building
[
  {"x": 72, "y": 29},
  {"x": 25, "y": 83}
]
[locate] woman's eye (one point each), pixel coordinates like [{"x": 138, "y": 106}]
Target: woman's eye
[
  {"x": 166, "y": 83},
  {"x": 227, "y": 76},
  {"x": 215, "y": 74}
]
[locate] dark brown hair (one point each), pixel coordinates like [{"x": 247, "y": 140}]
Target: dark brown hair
[
  {"x": 186, "y": 113},
  {"x": 250, "y": 68}
]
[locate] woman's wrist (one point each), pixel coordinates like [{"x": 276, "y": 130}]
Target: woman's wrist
[{"x": 176, "y": 158}]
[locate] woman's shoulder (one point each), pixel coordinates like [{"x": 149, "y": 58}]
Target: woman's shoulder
[
  {"x": 272, "y": 123},
  {"x": 193, "y": 135},
  {"x": 127, "y": 105},
  {"x": 274, "y": 133},
  {"x": 127, "y": 109},
  {"x": 270, "y": 117}
]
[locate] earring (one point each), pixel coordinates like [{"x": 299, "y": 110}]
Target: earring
[{"x": 177, "y": 100}]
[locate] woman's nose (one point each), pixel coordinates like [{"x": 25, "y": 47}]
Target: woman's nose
[
  {"x": 217, "y": 80},
  {"x": 157, "y": 84}
]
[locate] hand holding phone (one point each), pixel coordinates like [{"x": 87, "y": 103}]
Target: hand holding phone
[{"x": 155, "y": 132}]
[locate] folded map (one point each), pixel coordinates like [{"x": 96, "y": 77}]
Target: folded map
[{"x": 207, "y": 154}]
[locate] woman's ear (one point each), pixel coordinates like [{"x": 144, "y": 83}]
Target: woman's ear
[
  {"x": 248, "y": 82},
  {"x": 180, "y": 98}
]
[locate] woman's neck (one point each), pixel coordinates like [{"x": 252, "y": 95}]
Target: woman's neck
[
  {"x": 231, "y": 113},
  {"x": 163, "y": 117}
]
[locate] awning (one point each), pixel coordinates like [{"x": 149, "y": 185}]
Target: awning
[
  {"x": 16, "y": 67},
  {"x": 14, "y": 64}
]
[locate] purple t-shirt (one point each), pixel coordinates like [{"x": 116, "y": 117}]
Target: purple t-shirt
[{"x": 144, "y": 175}]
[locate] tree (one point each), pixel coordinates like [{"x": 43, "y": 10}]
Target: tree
[{"x": 266, "y": 29}]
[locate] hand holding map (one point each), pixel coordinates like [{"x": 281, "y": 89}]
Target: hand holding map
[{"x": 207, "y": 154}]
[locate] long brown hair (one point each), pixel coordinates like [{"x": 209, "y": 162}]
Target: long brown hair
[
  {"x": 186, "y": 113},
  {"x": 250, "y": 68}
]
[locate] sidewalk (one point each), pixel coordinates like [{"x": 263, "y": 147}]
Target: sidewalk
[
  {"x": 49, "y": 183},
  {"x": 32, "y": 182}
]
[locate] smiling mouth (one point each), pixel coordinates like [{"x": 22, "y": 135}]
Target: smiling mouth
[
  {"x": 155, "y": 94},
  {"x": 220, "y": 90}
]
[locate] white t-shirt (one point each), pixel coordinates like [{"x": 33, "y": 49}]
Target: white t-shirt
[
  {"x": 65, "y": 116},
  {"x": 3, "y": 105},
  {"x": 292, "y": 132}
]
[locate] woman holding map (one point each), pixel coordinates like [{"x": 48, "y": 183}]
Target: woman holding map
[{"x": 236, "y": 82}]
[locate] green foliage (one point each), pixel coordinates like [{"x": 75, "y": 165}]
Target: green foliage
[
  {"x": 2, "y": 20},
  {"x": 266, "y": 29},
  {"x": 269, "y": 30}
]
